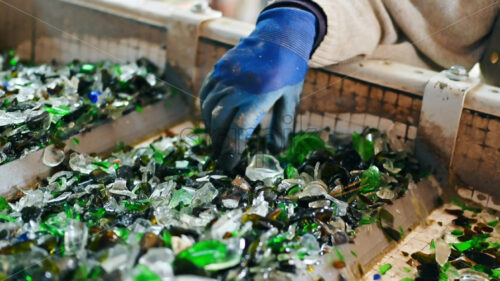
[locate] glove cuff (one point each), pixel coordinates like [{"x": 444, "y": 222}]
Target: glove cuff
[
  {"x": 307, "y": 5},
  {"x": 290, "y": 28}
]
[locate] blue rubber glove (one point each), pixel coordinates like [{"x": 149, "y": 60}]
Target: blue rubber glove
[{"x": 264, "y": 70}]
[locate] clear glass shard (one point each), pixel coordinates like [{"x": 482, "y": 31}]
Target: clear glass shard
[
  {"x": 52, "y": 156},
  {"x": 265, "y": 168},
  {"x": 159, "y": 260},
  {"x": 75, "y": 238}
]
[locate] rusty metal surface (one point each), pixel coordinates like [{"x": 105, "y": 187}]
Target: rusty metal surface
[
  {"x": 476, "y": 161},
  {"x": 63, "y": 33},
  {"x": 16, "y": 27},
  {"x": 27, "y": 171}
]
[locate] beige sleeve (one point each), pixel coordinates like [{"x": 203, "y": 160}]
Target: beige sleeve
[
  {"x": 353, "y": 29},
  {"x": 445, "y": 32}
]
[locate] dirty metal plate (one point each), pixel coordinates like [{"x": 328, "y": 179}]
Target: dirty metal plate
[{"x": 440, "y": 115}]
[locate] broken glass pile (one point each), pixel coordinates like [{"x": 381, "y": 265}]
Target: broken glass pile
[
  {"x": 44, "y": 104},
  {"x": 471, "y": 251},
  {"x": 163, "y": 212}
]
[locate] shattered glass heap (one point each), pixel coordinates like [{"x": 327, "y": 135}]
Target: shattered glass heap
[
  {"x": 163, "y": 211},
  {"x": 471, "y": 251},
  {"x": 42, "y": 105}
]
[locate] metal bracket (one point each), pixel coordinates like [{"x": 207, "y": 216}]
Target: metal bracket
[
  {"x": 442, "y": 106},
  {"x": 183, "y": 29}
]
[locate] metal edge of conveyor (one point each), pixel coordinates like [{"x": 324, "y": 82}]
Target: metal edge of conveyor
[{"x": 130, "y": 129}]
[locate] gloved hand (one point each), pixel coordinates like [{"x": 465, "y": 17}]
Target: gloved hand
[{"x": 265, "y": 69}]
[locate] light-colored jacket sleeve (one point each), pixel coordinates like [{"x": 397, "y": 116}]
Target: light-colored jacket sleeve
[
  {"x": 445, "y": 32},
  {"x": 352, "y": 30}
]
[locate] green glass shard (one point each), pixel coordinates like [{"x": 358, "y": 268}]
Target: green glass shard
[
  {"x": 199, "y": 131},
  {"x": 463, "y": 246},
  {"x": 60, "y": 110},
  {"x": 446, "y": 266},
  {"x": 69, "y": 210},
  {"x": 205, "y": 252},
  {"x": 284, "y": 212},
  {"x": 145, "y": 274},
  {"x": 277, "y": 240},
  {"x": 118, "y": 69},
  {"x": 98, "y": 213},
  {"x": 433, "y": 245},
  {"x": 101, "y": 164},
  {"x": 57, "y": 231},
  {"x": 137, "y": 206},
  {"x": 443, "y": 276},
  {"x": 301, "y": 146},
  {"x": 158, "y": 157},
  {"x": 138, "y": 108},
  {"x": 122, "y": 232},
  {"x": 493, "y": 223},
  {"x": 384, "y": 268},
  {"x": 291, "y": 172},
  {"x": 87, "y": 67},
  {"x": 339, "y": 255},
  {"x": 365, "y": 221},
  {"x": 363, "y": 147},
  {"x": 480, "y": 268},
  {"x": 14, "y": 61},
  {"x": 463, "y": 206},
  {"x": 457, "y": 232},
  {"x": 4, "y": 205},
  {"x": 370, "y": 180},
  {"x": 472, "y": 243},
  {"x": 76, "y": 141},
  {"x": 180, "y": 196},
  {"x": 167, "y": 238}
]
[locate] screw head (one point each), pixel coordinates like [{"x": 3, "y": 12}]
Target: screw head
[
  {"x": 457, "y": 73},
  {"x": 200, "y": 7}
]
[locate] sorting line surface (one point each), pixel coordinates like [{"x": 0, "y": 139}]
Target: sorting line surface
[{"x": 438, "y": 224}]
